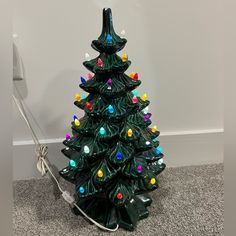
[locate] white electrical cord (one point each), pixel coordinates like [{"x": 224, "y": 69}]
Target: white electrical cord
[{"x": 43, "y": 164}]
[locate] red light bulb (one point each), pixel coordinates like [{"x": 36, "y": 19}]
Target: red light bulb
[
  {"x": 89, "y": 105},
  {"x": 135, "y": 76},
  {"x": 119, "y": 196}
]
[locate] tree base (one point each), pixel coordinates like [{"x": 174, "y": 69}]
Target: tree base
[{"x": 127, "y": 216}]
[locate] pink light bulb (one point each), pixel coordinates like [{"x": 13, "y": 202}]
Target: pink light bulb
[
  {"x": 100, "y": 63},
  {"x": 90, "y": 76},
  {"x": 134, "y": 99}
]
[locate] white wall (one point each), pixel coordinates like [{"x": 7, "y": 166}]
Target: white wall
[{"x": 176, "y": 46}]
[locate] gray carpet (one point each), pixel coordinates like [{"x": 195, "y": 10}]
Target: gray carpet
[{"x": 188, "y": 202}]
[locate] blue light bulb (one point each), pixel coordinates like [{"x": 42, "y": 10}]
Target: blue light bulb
[
  {"x": 158, "y": 150},
  {"x": 109, "y": 39},
  {"x": 83, "y": 80},
  {"x": 119, "y": 156},
  {"x": 135, "y": 93},
  {"x": 72, "y": 163},
  {"x": 75, "y": 117},
  {"x": 110, "y": 109},
  {"x": 81, "y": 189}
]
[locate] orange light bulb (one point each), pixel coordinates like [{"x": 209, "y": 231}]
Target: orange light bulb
[
  {"x": 78, "y": 97},
  {"x": 132, "y": 75}
]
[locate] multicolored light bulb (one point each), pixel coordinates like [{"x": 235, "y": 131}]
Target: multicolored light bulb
[
  {"x": 76, "y": 120},
  {"x": 134, "y": 75}
]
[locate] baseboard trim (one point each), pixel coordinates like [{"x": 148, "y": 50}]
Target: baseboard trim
[
  {"x": 168, "y": 133},
  {"x": 192, "y": 132}
]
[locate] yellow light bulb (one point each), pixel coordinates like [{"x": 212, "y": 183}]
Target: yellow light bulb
[
  {"x": 77, "y": 122},
  {"x": 144, "y": 97},
  {"x": 132, "y": 75},
  {"x": 100, "y": 173},
  {"x": 124, "y": 57},
  {"x": 154, "y": 128},
  {"x": 130, "y": 132},
  {"x": 152, "y": 181},
  {"x": 77, "y": 97}
]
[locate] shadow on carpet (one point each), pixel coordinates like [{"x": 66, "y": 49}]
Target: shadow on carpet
[{"x": 189, "y": 201}]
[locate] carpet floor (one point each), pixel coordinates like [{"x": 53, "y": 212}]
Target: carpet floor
[{"x": 189, "y": 201}]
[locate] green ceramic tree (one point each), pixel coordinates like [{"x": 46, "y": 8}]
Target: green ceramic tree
[{"x": 114, "y": 155}]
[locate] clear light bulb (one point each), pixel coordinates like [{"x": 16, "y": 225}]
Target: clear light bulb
[
  {"x": 87, "y": 56},
  {"x": 86, "y": 149}
]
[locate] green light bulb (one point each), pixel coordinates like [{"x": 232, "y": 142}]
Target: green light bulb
[
  {"x": 102, "y": 131},
  {"x": 72, "y": 163}
]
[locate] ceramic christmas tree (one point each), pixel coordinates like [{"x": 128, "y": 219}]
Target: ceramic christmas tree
[{"x": 114, "y": 156}]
